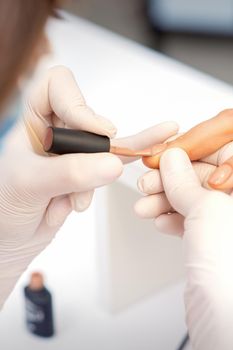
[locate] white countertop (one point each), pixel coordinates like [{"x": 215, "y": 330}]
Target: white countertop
[{"x": 135, "y": 87}]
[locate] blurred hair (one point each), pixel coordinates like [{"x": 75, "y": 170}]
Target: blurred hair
[{"x": 21, "y": 28}]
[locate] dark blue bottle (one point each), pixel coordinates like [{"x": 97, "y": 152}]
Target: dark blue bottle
[{"x": 39, "y": 313}]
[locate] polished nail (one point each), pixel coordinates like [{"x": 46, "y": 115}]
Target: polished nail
[
  {"x": 221, "y": 174},
  {"x": 152, "y": 151}
]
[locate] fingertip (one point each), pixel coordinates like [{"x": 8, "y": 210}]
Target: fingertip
[
  {"x": 111, "y": 167},
  {"x": 148, "y": 207},
  {"x": 106, "y": 126},
  {"x": 81, "y": 201},
  {"x": 171, "y": 124},
  {"x": 159, "y": 226},
  {"x": 57, "y": 211},
  {"x": 109, "y": 131},
  {"x": 160, "y": 222},
  {"x": 168, "y": 127},
  {"x": 150, "y": 182},
  {"x": 174, "y": 156},
  {"x": 171, "y": 224},
  {"x": 112, "y": 131},
  {"x": 138, "y": 209}
]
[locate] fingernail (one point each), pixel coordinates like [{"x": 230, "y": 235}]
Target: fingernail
[
  {"x": 221, "y": 174},
  {"x": 152, "y": 151}
]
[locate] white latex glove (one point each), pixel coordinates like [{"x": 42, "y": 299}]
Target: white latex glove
[
  {"x": 151, "y": 184},
  {"x": 37, "y": 192},
  {"x": 205, "y": 218}
]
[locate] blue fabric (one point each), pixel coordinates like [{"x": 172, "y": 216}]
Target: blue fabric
[
  {"x": 10, "y": 118},
  {"x": 7, "y": 125}
]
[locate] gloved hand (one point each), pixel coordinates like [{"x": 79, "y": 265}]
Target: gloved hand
[
  {"x": 151, "y": 184},
  {"x": 37, "y": 191},
  {"x": 205, "y": 219}
]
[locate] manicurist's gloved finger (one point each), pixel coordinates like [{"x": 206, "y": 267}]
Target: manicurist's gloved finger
[
  {"x": 80, "y": 201},
  {"x": 172, "y": 224},
  {"x": 180, "y": 182},
  {"x": 150, "y": 182},
  {"x": 69, "y": 173},
  {"x": 156, "y": 205},
  {"x": 53, "y": 104},
  {"x": 147, "y": 138},
  {"x": 57, "y": 211},
  {"x": 60, "y": 207},
  {"x": 152, "y": 206}
]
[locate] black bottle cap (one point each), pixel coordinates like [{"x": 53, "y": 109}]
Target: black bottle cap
[{"x": 62, "y": 141}]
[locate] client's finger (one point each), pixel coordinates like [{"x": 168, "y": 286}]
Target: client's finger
[{"x": 147, "y": 138}]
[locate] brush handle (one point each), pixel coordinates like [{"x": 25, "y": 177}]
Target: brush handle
[{"x": 62, "y": 141}]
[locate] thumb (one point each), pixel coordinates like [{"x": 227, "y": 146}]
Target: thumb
[
  {"x": 70, "y": 173},
  {"x": 180, "y": 181}
]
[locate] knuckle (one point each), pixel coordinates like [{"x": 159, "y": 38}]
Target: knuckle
[{"x": 228, "y": 112}]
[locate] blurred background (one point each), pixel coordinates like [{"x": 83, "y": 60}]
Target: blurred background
[{"x": 196, "y": 32}]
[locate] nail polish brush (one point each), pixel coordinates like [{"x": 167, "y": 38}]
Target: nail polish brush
[{"x": 63, "y": 141}]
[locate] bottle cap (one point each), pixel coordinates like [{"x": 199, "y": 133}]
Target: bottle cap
[
  {"x": 62, "y": 141},
  {"x": 36, "y": 281}
]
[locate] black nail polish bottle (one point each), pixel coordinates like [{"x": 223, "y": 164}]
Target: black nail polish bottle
[{"x": 39, "y": 313}]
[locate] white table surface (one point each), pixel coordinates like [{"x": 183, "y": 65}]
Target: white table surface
[{"x": 136, "y": 88}]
